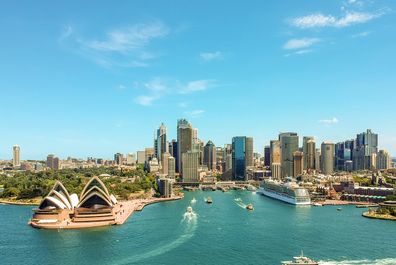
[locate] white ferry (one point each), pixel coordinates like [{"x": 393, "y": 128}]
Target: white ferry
[{"x": 289, "y": 192}]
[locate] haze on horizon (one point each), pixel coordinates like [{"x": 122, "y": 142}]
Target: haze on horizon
[{"x": 92, "y": 79}]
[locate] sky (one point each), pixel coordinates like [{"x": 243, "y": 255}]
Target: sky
[{"x": 93, "y": 78}]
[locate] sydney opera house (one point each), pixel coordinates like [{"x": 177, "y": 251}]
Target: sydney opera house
[{"x": 95, "y": 207}]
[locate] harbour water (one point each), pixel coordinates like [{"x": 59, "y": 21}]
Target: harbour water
[{"x": 219, "y": 233}]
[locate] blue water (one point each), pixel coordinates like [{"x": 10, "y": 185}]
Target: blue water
[{"x": 221, "y": 233}]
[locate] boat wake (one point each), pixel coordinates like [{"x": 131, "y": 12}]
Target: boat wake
[
  {"x": 239, "y": 202},
  {"x": 189, "y": 221},
  {"x": 390, "y": 261}
]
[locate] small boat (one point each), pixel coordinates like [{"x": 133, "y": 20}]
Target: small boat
[
  {"x": 189, "y": 209},
  {"x": 193, "y": 200},
  {"x": 317, "y": 204},
  {"x": 339, "y": 209},
  {"x": 249, "y": 207},
  {"x": 209, "y": 200},
  {"x": 300, "y": 260}
]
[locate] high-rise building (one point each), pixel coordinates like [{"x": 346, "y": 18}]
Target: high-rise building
[
  {"x": 309, "y": 156},
  {"x": 327, "y": 158},
  {"x": 53, "y": 162},
  {"x": 57, "y": 164},
  {"x": 165, "y": 163},
  {"x": 209, "y": 155},
  {"x": 289, "y": 144},
  {"x": 131, "y": 159},
  {"x": 383, "y": 160},
  {"x": 141, "y": 157},
  {"x": 149, "y": 153},
  {"x": 174, "y": 153},
  {"x": 267, "y": 156},
  {"x": 275, "y": 158},
  {"x": 366, "y": 145},
  {"x": 165, "y": 187},
  {"x": 219, "y": 155},
  {"x": 249, "y": 152},
  {"x": 171, "y": 167},
  {"x": 184, "y": 141},
  {"x": 239, "y": 158},
  {"x": 118, "y": 157},
  {"x": 161, "y": 142},
  {"x": 318, "y": 158},
  {"x": 16, "y": 156},
  {"x": 276, "y": 171},
  {"x": 190, "y": 164},
  {"x": 50, "y": 161},
  {"x": 305, "y": 150},
  {"x": 298, "y": 163}
]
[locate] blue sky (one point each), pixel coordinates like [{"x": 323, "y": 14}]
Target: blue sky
[{"x": 92, "y": 78}]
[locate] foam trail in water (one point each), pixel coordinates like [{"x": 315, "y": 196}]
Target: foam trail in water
[
  {"x": 190, "y": 221},
  {"x": 239, "y": 202},
  {"x": 390, "y": 261}
]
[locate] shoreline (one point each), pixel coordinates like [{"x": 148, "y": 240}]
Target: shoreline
[
  {"x": 7, "y": 202},
  {"x": 379, "y": 216},
  {"x": 340, "y": 202}
]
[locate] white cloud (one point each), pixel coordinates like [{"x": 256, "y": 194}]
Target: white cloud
[
  {"x": 194, "y": 113},
  {"x": 131, "y": 38},
  {"x": 361, "y": 34},
  {"x": 197, "y": 85},
  {"x": 183, "y": 105},
  {"x": 67, "y": 31},
  {"x": 318, "y": 20},
  {"x": 145, "y": 100},
  {"x": 300, "y": 43},
  {"x": 211, "y": 56},
  {"x": 329, "y": 121},
  {"x": 158, "y": 87},
  {"x": 126, "y": 47}
]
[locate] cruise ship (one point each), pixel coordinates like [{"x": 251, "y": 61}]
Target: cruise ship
[{"x": 289, "y": 192}]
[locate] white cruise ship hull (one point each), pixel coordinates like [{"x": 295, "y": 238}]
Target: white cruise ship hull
[{"x": 282, "y": 197}]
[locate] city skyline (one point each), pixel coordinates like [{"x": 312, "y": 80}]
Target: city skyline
[
  {"x": 299, "y": 144},
  {"x": 83, "y": 85}
]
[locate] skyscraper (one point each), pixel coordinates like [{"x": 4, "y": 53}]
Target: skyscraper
[
  {"x": 209, "y": 155},
  {"x": 190, "y": 166},
  {"x": 174, "y": 153},
  {"x": 249, "y": 152},
  {"x": 118, "y": 157},
  {"x": 298, "y": 163},
  {"x": 239, "y": 157},
  {"x": 171, "y": 167},
  {"x": 309, "y": 156},
  {"x": 305, "y": 149},
  {"x": 383, "y": 160},
  {"x": 366, "y": 145},
  {"x": 275, "y": 150},
  {"x": 184, "y": 141},
  {"x": 165, "y": 163},
  {"x": 16, "y": 156},
  {"x": 327, "y": 158},
  {"x": 141, "y": 157},
  {"x": 131, "y": 159},
  {"x": 161, "y": 142},
  {"x": 267, "y": 156},
  {"x": 289, "y": 144},
  {"x": 50, "y": 161}
]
